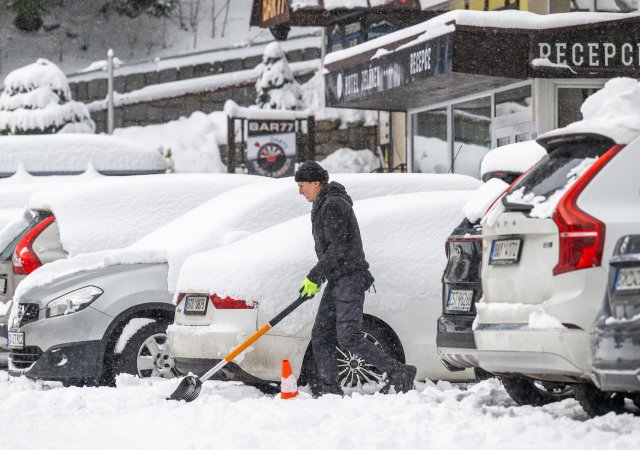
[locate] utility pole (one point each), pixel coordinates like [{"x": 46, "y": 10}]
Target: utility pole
[{"x": 110, "y": 91}]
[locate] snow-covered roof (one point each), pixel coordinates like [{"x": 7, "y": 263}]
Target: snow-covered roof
[
  {"x": 446, "y": 23},
  {"x": 612, "y": 112},
  {"x": 196, "y": 85},
  {"x": 518, "y": 157},
  {"x": 113, "y": 212},
  {"x": 73, "y": 153},
  {"x": 237, "y": 214},
  {"x": 267, "y": 267}
]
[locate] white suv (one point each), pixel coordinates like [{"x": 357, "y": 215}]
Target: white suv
[{"x": 546, "y": 247}]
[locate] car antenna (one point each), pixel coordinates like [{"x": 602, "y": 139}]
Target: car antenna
[{"x": 454, "y": 159}]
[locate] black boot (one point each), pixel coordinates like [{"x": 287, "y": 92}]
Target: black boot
[{"x": 401, "y": 378}]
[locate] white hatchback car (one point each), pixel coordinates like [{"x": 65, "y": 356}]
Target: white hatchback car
[
  {"x": 225, "y": 294},
  {"x": 546, "y": 248}
]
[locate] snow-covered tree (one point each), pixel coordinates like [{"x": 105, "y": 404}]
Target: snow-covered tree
[
  {"x": 37, "y": 100},
  {"x": 277, "y": 89}
]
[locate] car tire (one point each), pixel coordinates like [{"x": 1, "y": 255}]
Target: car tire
[
  {"x": 145, "y": 354},
  {"x": 354, "y": 371},
  {"x": 525, "y": 391},
  {"x": 598, "y": 403}
]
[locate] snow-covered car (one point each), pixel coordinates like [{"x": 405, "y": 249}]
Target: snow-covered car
[
  {"x": 616, "y": 336},
  {"x": 136, "y": 282},
  {"x": 73, "y": 153},
  {"x": 223, "y": 295},
  {"x": 547, "y": 244},
  {"x": 100, "y": 213},
  {"x": 461, "y": 285}
]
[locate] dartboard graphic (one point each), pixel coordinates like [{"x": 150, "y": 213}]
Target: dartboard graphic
[{"x": 271, "y": 157}]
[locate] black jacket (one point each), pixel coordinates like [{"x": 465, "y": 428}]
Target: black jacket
[{"x": 337, "y": 236}]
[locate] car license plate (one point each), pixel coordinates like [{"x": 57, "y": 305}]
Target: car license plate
[
  {"x": 196, "y": 304},
  {"x": 505, "y": 251},
  {"x": 3, "y": 285},
  {"x": 16, "y": 339},
  {"x": 628, "y": 279},
  {"x": 460, "y": 300}
]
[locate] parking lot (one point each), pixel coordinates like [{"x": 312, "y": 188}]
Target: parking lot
[{"x": 230, "y": 415}]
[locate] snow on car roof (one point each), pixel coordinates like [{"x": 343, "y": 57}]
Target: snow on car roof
[
  {"x": 518, "y": 157},
  {"x": 72, "y": 153},
  {"x": 16, "y": 189},
  {"x": 268, "y": 267},
  {"x": 113, "y": 212},
  {"x": 612, "y": 112},
  {"x": 234, "y": 215}
]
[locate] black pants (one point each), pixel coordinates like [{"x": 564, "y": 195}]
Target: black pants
[{"x": 339, "y": 322}]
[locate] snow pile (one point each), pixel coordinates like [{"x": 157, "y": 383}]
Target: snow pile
[
  {"x": 345, "y": 160},
  {"x": 113, "y": 212},
  {"x": 612, "y": 111},
  {"x": 36, "y": 99},
  {"x": 438, "y": 415},
  {"x": 276, "y": 86},
  {"x": 73, "y": 153},
  {"x": 268, "y": 267},
  {"x": 191, "y": 142},
  {"x": 234, "y": 215},
  {"x": 482, "y": 198},
  {"x": 516, "y": 158}
]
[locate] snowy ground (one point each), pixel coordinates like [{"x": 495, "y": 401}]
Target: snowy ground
[{"x": 230, "y": 415}]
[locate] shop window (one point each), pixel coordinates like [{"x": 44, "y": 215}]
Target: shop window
[
  {"x": 513, "y": 101},
  {"x": 570, "y": 100},
  {"x": 622, "y": 6},
  {"x": 430, "y": 149},
  {"x": 472, "y": 135},
  {"x": 617, "y": 6}
]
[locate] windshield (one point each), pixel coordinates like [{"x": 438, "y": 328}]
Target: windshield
[{"x": 552, "y": 175}]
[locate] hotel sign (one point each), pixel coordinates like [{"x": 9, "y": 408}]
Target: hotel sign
[
  {"x": 393, "y": 70},
  {"x": 603, "y": 50}
]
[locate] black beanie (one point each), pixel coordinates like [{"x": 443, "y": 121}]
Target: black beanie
[{"x": 311, "y": 171}]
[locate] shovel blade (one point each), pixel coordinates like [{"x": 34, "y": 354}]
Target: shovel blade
[{"x": 188, "y": 389}]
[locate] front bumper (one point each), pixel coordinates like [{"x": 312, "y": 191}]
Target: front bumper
[
  {"x": 68, "y": 363},
  {"x": 455, "y": 341},
  {"x": 616, "y": 356},
  {"x": 63, "y": 348},
  {"x": 562, "y": 355}
]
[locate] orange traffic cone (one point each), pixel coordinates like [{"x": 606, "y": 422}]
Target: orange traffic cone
[{"x": 288, "y": 384}]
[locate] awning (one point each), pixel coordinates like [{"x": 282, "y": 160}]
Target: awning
[{"x": 463, "y": 52}]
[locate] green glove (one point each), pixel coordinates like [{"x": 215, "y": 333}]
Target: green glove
[{"x": 308, "y": 288}]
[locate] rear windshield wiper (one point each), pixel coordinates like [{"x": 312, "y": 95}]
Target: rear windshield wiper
[{"x": 516, "y": 206}]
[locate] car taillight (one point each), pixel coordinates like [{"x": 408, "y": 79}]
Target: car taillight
[
  {"x": 231, "y": 303},
  {"x": 24, "y": 258},
  {"x": 581, "y": 235}
]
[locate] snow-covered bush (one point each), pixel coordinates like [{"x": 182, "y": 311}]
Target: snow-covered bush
[
  {"x": 277, "y": 89},
  {"x": 29, "y": 13},
  {"x": 37, "y": 100}
]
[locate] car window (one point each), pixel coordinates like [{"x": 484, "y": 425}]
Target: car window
[
  {"x": 7, "y": 252},
  {"x": 553, "y": 171}
]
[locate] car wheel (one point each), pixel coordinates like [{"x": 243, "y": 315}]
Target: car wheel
[
  {"x": 146, "y": 354},
  {"x": 597, "y": 403},
  {"x": 353, "y": 370},
  {"x": 525, "y": 391}
]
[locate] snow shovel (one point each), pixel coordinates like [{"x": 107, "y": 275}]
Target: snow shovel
[{"x": 190, "y": 386}]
